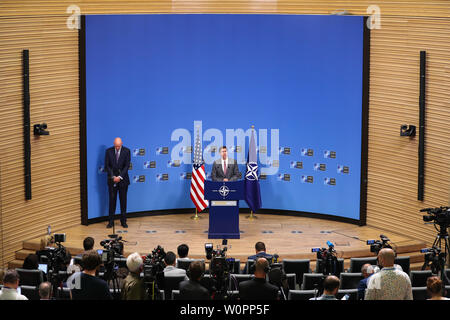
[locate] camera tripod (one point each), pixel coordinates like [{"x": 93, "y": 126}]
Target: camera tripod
[{"x": 442, "y": 243}]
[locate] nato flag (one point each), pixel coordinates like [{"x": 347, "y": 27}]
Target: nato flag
[{"x": 251, "y": 183}]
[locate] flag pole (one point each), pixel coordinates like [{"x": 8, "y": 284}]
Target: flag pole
[
  {"x": 251, "y": 216},
  {"x": 196, "y": 217}
]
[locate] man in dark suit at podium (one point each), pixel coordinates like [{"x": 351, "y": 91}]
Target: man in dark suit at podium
[
  {"x": 117, "y": 162},
  {"x": 225, "y": 169}
]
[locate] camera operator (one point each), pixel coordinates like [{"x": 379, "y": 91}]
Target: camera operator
[
  {"x": 170, "y": 269},
  {"x": 258, "y": 288},
  {"x": 133, "y": 287},
  {"x": 85, "y": 285},
  {"x": 192, "y": 289}
]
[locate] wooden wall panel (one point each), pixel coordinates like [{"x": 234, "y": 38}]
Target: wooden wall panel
[
  {"x": 407, "y": 26},
  {"x": 54, "y": 100}
]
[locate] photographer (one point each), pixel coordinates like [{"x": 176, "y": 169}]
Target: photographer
[
  {"x": 258, "y": 288},
  {"x": 85, "y": 285},
  {"x": 192, "y": 289},
  {"x": 133, "y": 287}
]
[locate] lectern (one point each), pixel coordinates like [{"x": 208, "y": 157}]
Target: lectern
[{"x": 223, "y": 200}]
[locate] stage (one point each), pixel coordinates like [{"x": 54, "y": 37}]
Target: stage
[{"x": 288, "y": 236}]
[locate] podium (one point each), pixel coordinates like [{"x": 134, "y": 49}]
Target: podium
[{"x": 223, "y": 200}]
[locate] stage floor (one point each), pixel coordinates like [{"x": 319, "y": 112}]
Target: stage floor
[{"x": 289, "y": 237}]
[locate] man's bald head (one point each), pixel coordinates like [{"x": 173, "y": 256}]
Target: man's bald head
[
  {"x": 386, "y": 257},
  {"x": 261, "y": 266},
  {"x": 117, "y": 143}
]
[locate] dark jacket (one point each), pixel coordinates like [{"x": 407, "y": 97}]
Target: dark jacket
[
  {"x": 257, "y": 289},
  {"x": 193, "y": 290},
  {"x": 117, "y": 168}
]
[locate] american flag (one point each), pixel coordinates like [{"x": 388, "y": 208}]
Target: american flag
[{"x": 198, "y": 178}]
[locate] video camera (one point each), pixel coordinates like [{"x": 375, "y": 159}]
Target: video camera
[
  {"x": 377, "y": 245},
  {"x": 440, "y": 216},
  {"x": 112, "y": 248},
  {"x": 434, "y": 258},
  {"x": 327, "y": 260},
  {"x": 220, "y": 268},
  {"x": 154, "y": 266}
]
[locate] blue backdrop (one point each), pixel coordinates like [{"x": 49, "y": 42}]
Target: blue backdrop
[{"x": 157, "y": 80}]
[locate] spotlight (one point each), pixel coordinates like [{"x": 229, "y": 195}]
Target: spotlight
[
  {"x": 407, "y": 130},
  {"x": 39, "y": 129}
]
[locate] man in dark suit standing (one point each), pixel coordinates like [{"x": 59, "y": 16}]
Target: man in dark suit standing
[
  {"x": 258, "y": 288},
  {"x": 225, "y": 169},
  {"x": 117, "y": 162}
]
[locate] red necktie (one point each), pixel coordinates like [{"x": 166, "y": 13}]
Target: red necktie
[{"x": 225, "y": 167}]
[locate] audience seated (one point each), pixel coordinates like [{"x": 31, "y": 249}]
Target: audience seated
[
  {"x": 31, "y": 262},
  {"x": 260, "y": 249},
  {"x": 192, "y": 289},
  {"x": 45, "y": 290},
  {"x": 85, "y": 285},
  {"x": 258, "y": 288},
  {"x": 389, "y": 283},
  {"x": 434, "y": 288},
  {"x": 133, "y": 287},
  {"x": 170, "y": 269},
  {"x": 10, "y": 285},
  {"x": 183, "y": 251},
  {"x": 367, "y": 270},
  {"x": 330, "y": 288},
  {"x": 88, "y": 244}
]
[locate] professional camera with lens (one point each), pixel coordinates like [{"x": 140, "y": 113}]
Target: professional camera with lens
[
  {"x": 432, "y": 258},
  {"x": 154, "y": 264},
  {"x": 377, "y": 245},
  {"x": 440, "y": 216},
  {"x": 327, "y": 260},
  {"x": 154, "y": 272},
  {"x": 220, "y": 268},
  {"x": 113, "y": 248}
]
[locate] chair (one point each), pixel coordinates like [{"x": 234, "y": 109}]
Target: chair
[
  {"x": 248, "y": 266},
  {"x": 121, "y": 262},
  {"x": 353, "y": 294},
  {"x": 240, "y": 278},
  {"x": 185, "y": 263},
  {"x": 447, "y": 280},
  {"x": 63, "y": 294},
  {"x": 419, "y": 277},
  {"x": 31, "y": 292},
  {"x": 403, "y": 262},
  {"x": 172, "y": 283},
  {"x": 312, "y": 281},
  {"x": 447, "y": 291},
  {"x": 420, "y": 293},
  {"x": 350, "y": 280},
  {"x": 236, "y": 267},
  {"x": 297, "y": 266},
  {"x": 357, "y": 263},
  {"x": 291, "y": 280},
  {"x": 116, "y": 294},
  {"x": 175, "y": 295},
  {"x": 340, "y": 266},
  {"x": 30, "y": 277},
  {"x": 301, "y": 294}
]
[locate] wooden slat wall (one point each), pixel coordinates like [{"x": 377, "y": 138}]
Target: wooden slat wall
[
  {"x": 54, "y": 100},
  {"x": 407, "y": 26}
]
